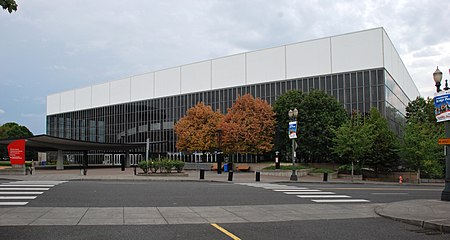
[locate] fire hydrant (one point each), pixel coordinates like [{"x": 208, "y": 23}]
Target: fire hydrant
[{"x": 400, "y": 180}]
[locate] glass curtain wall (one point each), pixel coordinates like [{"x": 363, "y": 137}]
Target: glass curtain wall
[{"x": 155, "y": 118}]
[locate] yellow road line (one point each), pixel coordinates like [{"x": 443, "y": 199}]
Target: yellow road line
[
  {"x": 388, "y": 189},
  {"x": 225, "y": 231}
]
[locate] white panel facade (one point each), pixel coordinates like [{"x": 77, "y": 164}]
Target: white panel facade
[
  {"x": 310, "y": 58},
  {"x": 67, "y": 101},
  {"x": 196, "y": 77},
  {"x": 167, "y": 82},
  {"x": 228, "y": 71},
  {"x": 356, "y": 51},
  {"x": 120, "y": 91},
  {"x": 266, "y": 65},
  {"x": 100, "y": 95},
  {"x": 53, "y": 104},
  {"x": 83, "y": 98},
  {"x": 142, "y": 87},
  {"x": 395, "y": 66}
]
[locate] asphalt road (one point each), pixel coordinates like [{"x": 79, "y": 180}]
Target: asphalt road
[
  {"x": 177, "y": 194},
  {"x": 171, "y": 194},
  {"x": 372, "y": 228}
]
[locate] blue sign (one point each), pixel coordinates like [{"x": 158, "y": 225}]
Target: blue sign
[
  {"x": 442, "y": 106},
  {"x": 293, "y": 130}
]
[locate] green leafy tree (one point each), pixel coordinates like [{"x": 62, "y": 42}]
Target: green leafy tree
[
  {"x": 9, "y": 5},
  {"x": 197, "y": 131},
  {"x": 248, "y": 126},
  {"x": 13, "y": 130},
  {"x": 353, "y": 140},
  {"x": 420, "y": 150},
  {"x": 288, "y": 101},
  {"x": 383, "y": 155},
  {"x": 318, "y": 115}
]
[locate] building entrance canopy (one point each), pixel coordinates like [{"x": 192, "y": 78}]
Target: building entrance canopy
[{"x": 48, "y": 143}]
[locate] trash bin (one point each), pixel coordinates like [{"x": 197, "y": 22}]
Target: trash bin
[{"x": 225, "y": 167}]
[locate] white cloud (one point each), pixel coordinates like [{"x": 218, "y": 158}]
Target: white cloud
[{"x": 2, "y": 111}]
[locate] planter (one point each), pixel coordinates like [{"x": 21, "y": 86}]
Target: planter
[
  {"x": 285, "y": 173},
  {"x": 349, "y": 176}
]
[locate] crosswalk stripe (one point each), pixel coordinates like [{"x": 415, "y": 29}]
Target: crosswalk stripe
[
  {"x": 308, "y": 193},
  {"x": 16, "y": 197},
  {"x": 290, "y": 190},
  {"x": 38, "y": 182},
  {"x": 13, "y": 203},
  {"x": 25, "y": 185},
  {"x": 339, "y": 200},
  {"x": 300, "y": 190},
  {"x": 25, "y": 189},
  {"x": 20, "y": 193},
  {"x": 323, "y": 196}
]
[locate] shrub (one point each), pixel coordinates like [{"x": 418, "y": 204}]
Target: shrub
[
  {"x": 167, "y": 165},
  {"x": 144, "y": 166},
  {"x": 179, "y": 165},
  {"x": 155, "y": 166},
  {"x": 347, "y": 169}
]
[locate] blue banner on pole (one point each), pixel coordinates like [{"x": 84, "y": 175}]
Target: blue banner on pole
[
  {"x": 293, "y": 129},
  {"x": 442, "y": 106}
]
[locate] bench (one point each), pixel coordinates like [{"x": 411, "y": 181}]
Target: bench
[
  {"x": 243, "y": 168},
  {"x": 214, "y": 167}
]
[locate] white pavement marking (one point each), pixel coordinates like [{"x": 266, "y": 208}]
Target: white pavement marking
[
  {"x": 25, "y": 185},
  {"x": 20, "y": 193},
  {"x": 13, "y": 203},
  {"x": 309, "y": 193},
  {"x": 25, "y": 189},
  {"x": 291, "y": 190},
  {"x": 16, "y": 197},
  {"x": 389, "y": 193},
  {"x": 298, "y": 190},
  {"x": 38, "y": 182},
  {"x": 340, "y": 200},
  {"x": 323, "y": 196}
]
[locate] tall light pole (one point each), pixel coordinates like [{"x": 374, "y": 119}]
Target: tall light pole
[
  {"x": 293, "y": 135},
  {"x": 441, "y": 104}
]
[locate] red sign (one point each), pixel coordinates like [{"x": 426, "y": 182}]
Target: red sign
[{"x": 16, "y": 151}]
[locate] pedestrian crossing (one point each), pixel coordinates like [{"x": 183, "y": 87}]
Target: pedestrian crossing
[
  {"x": 314, "y": 195},
  {"x": 16, "y": 193}
]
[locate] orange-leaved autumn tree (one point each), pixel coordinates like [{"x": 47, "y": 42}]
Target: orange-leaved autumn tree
[
  {"x": 248, "y": 126},
  {"x": 197, "y": 131}
]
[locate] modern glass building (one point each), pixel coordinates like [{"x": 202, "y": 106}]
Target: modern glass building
[{"x": 361, "y": 70}]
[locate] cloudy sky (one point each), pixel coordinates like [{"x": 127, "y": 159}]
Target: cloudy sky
[{"x": 52, "y": 46}]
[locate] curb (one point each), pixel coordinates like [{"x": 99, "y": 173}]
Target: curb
[{"x": 420, "y": 223}]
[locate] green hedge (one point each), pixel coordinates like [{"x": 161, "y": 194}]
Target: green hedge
[{"x": 164, "y": 165}]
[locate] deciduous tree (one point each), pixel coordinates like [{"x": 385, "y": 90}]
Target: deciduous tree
[
  {"x": 197, "y": 131},
  {"x": 9, "y": 5},
  {"x": 248, "y": 126}
]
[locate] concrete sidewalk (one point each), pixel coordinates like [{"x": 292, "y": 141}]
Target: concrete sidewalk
[{"x": 433, "y": 214}]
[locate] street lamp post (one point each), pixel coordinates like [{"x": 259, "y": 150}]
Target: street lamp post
[
  {"x": 219, "y": 150},
  {"x": 445, "y": 196},
  {"x": 293, "y": 135}
]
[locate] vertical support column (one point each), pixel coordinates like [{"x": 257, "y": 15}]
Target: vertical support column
[{"x": 60, "y": 160}]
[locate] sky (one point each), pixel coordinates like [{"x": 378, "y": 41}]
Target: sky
[{"x": 52, "y": 46}]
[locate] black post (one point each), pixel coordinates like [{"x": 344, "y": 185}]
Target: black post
[
  {"x": 85, "y": 162},
  {"x": 258, "y": 176},
  {"x": 135, "y": 169},
  {"x": 446, "y": 192},
  {"x": 202, "y": 174},
  {"x": 230, "y": 175},
  {"x": 325, "y": 176},
  {"x": 277, "y": 161},
  {"x": 219, "y": 163},
  {"x": 219, "y": 151}
]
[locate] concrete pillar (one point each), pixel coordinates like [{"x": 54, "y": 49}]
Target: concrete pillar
[{"x": 60, "y": 160}]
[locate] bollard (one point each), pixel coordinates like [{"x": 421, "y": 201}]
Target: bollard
[
  {"x": 325, "y": 176},
  {"x": 230, "y": 176},
  {"x": 135, "y": 170},
  {"x": 202, "y": 174},
  {"x": 85, "y": 171},
  {"x": 258, "y": 176}
]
